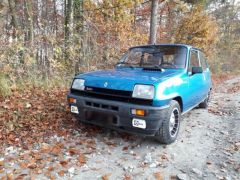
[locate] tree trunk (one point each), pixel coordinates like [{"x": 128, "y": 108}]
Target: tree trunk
[
  {"x": 67, "y": 25},
  {"x": 3, "y": 12},
  {"x": 78, "y": 22},
  {"x": 14, "y": 21},
  {"x": 29, "y": 15},
  {"x": 78, "y": 15},
  {"x": 55, "y": 17},
  {"x": 153, "y": 23}
]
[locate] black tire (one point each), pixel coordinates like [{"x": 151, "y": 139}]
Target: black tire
[
  {"x": 165, "y": 135},
  {"x": 204, "y": 104}
]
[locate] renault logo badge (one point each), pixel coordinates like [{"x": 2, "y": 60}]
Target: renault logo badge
[{"x": 105, "y": 84}]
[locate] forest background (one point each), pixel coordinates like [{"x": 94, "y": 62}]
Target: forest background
[{"x": 45, "y": 42}]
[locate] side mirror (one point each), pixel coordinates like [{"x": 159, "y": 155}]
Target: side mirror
[{"x": 197, "y": 70}]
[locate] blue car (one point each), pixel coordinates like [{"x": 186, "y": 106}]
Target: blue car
[{"x": 147, "y": 92}]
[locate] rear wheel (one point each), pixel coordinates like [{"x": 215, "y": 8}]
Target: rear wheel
[
  {"x": 169, "y": 130},
  {"x": 204, "y": 104}
]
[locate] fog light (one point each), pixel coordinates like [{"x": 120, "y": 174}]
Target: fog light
[
  {"x": 72, "y": 100},
  {"x": 138, "y": 112}
]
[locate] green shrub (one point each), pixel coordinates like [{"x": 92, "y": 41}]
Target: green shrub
[
  {"x": 44, "y": 83},
  {"x": 5, "y": 88}
]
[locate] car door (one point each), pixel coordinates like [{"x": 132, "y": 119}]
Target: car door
[
  {"x": 196, "y": 81},
  {"x": 206, "y": 74}
]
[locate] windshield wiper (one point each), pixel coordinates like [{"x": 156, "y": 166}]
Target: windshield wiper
[
  {"x": 158, "y": 67},
  {"x": 125, "y": 63},
  {"x": 153, "y": 66}
]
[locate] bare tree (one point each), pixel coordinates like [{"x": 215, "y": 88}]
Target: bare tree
[
  {"x": 14, "y": 20},
  {"x": 154, "y": 22},
  {"x": 3, "y": 11},
  {"x": 78, "y": 21},
  {"x": 68, "y": 25},
  {"x": 29, "y": 16}
]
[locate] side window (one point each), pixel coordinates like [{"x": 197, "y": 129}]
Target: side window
[
  {"x": 203, "y": 61},
  {"x": 194, "y": 61}
]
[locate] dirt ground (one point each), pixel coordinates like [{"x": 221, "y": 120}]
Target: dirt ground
[{"x": 208, "y": 147}]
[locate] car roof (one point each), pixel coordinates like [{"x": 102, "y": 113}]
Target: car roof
[{"x": 182, "y": 45}]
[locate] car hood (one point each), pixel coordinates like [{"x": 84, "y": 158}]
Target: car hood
[{"x": 126, "y": 78}]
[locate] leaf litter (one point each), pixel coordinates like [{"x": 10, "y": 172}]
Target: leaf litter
[{"x": 35, "y": 127}]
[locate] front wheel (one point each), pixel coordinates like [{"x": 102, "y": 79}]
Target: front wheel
[{"x": 168, "y": 132}]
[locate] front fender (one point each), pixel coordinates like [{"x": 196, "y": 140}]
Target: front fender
[{"x": 170, "y": 89}]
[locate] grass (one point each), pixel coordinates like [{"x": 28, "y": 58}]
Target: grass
[
  {"x": 31, "y": 82},
  {"x": 5, "y": 85},
  {"x": 45, "y": 83}
]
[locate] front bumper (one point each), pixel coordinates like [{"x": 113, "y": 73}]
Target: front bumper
[{"x": 117, "y": 115}]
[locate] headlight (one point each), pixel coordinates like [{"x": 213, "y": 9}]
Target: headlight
[
  {"x": 143, "y": 91},
  {"x": 78, "y": 84}
]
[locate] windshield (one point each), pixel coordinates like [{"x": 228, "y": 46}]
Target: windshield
[{"x": 155, "y": 57}]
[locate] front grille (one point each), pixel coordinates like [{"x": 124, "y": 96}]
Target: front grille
[
  {"x": 101, "y": 106},
  {"x": 109, "y": 94}
]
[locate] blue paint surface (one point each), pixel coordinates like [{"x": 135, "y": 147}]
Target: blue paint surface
[{"x": 169, "y": 83}]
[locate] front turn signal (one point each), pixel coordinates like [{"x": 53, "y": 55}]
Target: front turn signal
[
  {"x": 72, "y": 100},
  {"x": 138, "y": 112}
]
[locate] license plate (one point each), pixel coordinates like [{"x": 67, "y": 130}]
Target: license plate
[
  {"x": 74, "y": 109},
  {"x": 139, "y": 123}
]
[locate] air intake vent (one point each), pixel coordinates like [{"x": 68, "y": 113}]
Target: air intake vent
[{"x": 152, "y": 69}]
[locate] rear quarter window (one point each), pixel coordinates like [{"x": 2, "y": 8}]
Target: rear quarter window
[{"x": 203, "y": 60}]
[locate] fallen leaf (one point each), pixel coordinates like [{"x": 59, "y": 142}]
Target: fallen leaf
[
  {"x": 32, "y": 166},
  {"x": 20, "y": 177},
  {"x": 3, "y": 178},
  {"x": 127, "y": 177},
  {"x": 173, "y": 177},
  {"x": 51, "y": 168},
  {"x": 72, "y": 151},
  {"x": 81, "y": 159},
  {"x": 9, "y": 176},
  {"x": 1, "y": 163},
  {"x": 52, "y": 177},
  {"x": 164, "y": 157},
  {"x": 158, "y": 176},
  {"x": 11, "y": 137},
  {"x": 45, "y": 146},
  {"x": 106, "y": 176},
  {"x": 109, "y": 143},
  {"x": 39, "y": 171},
  {"x": 63, "y": 163},
  {"x": 23, "y": 165},
  {"x": 61, "y": 173},
  {"x": 56, "y": 150}
]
